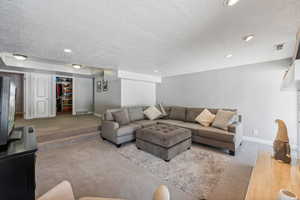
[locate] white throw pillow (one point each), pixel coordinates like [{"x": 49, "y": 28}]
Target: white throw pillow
[
  {"x": 152, "y": 113},
  {"x": 223, "y": 119},
  {"x": 205, "y": 118}
]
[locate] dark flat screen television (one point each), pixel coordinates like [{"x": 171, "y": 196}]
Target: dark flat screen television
[{"x": 7, "y": 105}]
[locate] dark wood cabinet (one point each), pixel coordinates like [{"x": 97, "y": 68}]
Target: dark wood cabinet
[{"x": 17, "y": 167}]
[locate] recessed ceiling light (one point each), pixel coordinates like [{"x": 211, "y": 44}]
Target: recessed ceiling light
[
  {"x": 20, "y": 57},
  {"x": 76, "y": 66},
  {"x": 229, "y": 55},
  {"x": 156, "y": 71},
  {"x": 247, "y": 38},
  {"x": 230, "y": 2},
  {"x": 67, "y": 50}
]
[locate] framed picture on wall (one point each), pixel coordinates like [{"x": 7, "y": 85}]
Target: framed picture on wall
[
  {"x": 105, "y": 85},
  {"x": 99, "y": 86}
]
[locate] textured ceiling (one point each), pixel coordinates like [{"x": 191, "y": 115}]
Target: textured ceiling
[{"x": 172, "y": 36}]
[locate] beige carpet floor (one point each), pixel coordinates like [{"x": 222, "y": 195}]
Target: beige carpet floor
[
  {"x": 62, "y": 126},
  {"x": 98, "y": 168},
  {"x": 60, "y": 123}
]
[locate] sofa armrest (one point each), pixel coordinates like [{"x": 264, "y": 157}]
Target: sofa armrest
[
  {"x": 232, "y": 128},
  {"x": 109, "y": 129},
  {"x": 235, "y": 125},
  {"x": 106, "y": 124},
  {"x": 237, "y": 129}
]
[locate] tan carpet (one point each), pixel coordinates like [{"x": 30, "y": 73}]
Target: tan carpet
[{"x": 97, "y": 168}]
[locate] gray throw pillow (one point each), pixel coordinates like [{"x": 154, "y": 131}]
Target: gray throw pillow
[
  {"x": 121, "y": 117},
  {"x": 223, "y": 119},
  {"x": 108, "y": 114},
  {"x": 177, "y": 113}
]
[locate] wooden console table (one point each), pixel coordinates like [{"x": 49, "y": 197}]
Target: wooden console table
[{"x": 269, "y": 176}]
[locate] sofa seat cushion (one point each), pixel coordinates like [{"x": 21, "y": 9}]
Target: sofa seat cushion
[
  {"x": 192, "y": 126},
  {"x": 214, "y": 133},
  {"x": 145, "y": 123},
  {"x": 163, "y": 135},
  {"x": 127, "y": 129},
  {"x": 171, "y": 122}
]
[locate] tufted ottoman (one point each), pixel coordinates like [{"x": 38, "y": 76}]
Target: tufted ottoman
[{"x": 164, "y": 141}]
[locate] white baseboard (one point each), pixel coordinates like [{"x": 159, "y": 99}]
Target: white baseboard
[
  {"x": 97, "y": 115},
  {"x": 265, "y": 142},
  {"x": 83, "y": 113}
]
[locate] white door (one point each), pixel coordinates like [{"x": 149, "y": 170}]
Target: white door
[{"x": 41, "y": 92}]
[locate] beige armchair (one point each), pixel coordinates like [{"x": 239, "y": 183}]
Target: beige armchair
[{"x": 63, "y": 191}]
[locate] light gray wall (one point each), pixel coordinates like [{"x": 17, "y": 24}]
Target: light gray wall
[
  {"x": 253, "y": 89},
  {"x": 83, "y": 94},
  {"x": 109, "y": 99},
  {"x": 136, "y": 92}
]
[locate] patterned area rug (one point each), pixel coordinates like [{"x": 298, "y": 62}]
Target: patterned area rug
[{"x": 196, "y": 171}]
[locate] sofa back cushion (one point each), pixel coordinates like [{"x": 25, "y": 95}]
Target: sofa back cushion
[
  {"x": 215, "y": 110},
  {"x": 177, "y": 113},
  {"x": 108, "y": 116},
  {"x": 192, "y": 113},
  {"x": 136, "y": 113}
]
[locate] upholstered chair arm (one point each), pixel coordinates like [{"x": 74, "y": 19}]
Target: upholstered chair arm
[
  {"x": 97, "y": 198},
  {"x": 161, "y": 193},
  {"x": 61, "y": 191}
]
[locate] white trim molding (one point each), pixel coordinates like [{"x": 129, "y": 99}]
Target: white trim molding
[
  {"x": 265, "y": 142},
  {"x": 98, "y": 115},
  {"x": 138, "y": 76},
  {"x": 35, "y": 64}
]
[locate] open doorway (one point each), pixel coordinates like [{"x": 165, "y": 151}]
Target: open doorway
[
  {"x": 18, "y": 79},
  {"x": 64, "y": 95}
]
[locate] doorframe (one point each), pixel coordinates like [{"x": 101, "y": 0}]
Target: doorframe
[
  {"x": 54, "y": 92},
  {"x": 27, "y": 108},
  {"x": 26, "y": 112}
]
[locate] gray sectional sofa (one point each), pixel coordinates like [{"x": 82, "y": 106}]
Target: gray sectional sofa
[{"x": 179, "y": 116}]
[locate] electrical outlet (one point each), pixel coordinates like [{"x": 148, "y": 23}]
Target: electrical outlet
[{"x": 255, "y": 132}]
